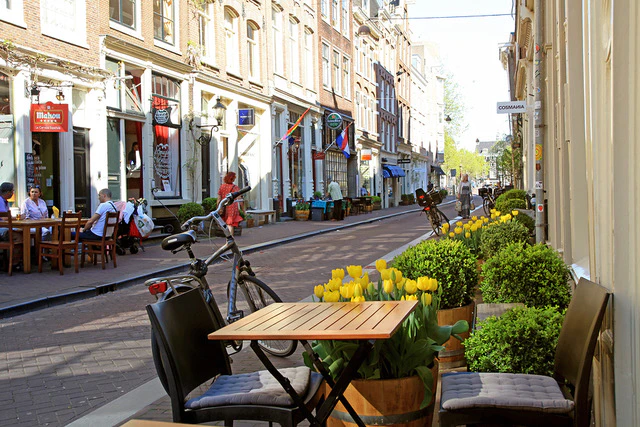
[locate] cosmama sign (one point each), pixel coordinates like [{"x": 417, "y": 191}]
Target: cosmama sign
[{"x": 49, "y": 117}]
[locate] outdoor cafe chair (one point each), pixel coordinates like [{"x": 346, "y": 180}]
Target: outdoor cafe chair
[
  {"x": 524, "y": 399},
  {"x": 9, "y": 245},
  {"x": 181, "y": 325},
  {"x": 106, "y": 246},
  {"x": 67, "y": 242}
]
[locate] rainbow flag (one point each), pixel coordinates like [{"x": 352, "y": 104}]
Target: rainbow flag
[{"x": 294, "y": 126}]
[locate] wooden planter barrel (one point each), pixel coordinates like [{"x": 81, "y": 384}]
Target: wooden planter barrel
[
  {"x": 453, "y": 354},
  {"x": 386, "y": 402},
  {"x": 302, "y": 215}
]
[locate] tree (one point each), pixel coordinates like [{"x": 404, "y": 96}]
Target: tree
[
  {"x": 453, "y": 107},
  {"x": 508, "y": 162}
]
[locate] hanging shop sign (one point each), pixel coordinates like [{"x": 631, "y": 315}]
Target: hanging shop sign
[
  {"x": 165, "y": 111},
  {"x": 318, "y": 155},
  {"x": 334, "y": 121},
  {"x": 512, "y": 107},
  {"x": 49, "y": 117},
  {"x": 365, "y": 154},
  {"x": 246, "y": 117}
]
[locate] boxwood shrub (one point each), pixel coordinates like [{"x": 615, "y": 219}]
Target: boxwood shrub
[
  {"x": 513, "y": 194},
  {"x": 507, "y": 205},
  {"x": 189, "y": 210},
  {"x": 522, "y": 340},
  {"x": 448, "y": 261},
  {"x": 533, "y": 275},
  {"x": 499, "y": 235},
  {"x": 527, "y": 221},
  {"x": 209, "y": 204}
]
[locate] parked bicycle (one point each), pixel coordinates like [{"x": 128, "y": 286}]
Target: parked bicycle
[
  {"x": 488, "y": 201},
  {"x": 429, "y": 203},
  {"x": 244, "y": 291}
]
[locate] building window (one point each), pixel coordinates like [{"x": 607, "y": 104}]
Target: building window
[
  {"x": 253, "y": 55},
  {"x": 123, "y": 12},
  {"x": 345, "y": 17},
  {"x": 365, "y": 60},
  {"x": 336, "y": 72},
  {"x": 346, "y": 74},
  {"x": 12, "y": 11},
  {"x": 358, "y": 106},
  {"x": 336, "y": 165},
  {"x": 64, "y": 20},
  {"x": 124, "y": 94},
  {"x": 356, "y": 54},
  {"x": 164, "y": 21},
  {"x": 276, "y": 24},
  {"x": 231, "y": 39},
  {"x": 308, "y": 58},
  {"x": 326, "y": 72},
  {"x": 335, "y": 14},
  {"x": 324, "y": 8},
  {"x": 206, "y": 36},
  {"x": 294, "y": 51}
]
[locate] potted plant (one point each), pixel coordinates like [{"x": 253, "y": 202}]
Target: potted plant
[
  {"x": 400, "y": 372},
  {"x": 317, "y": 195},
  {"x": 455, "y": 267},
  {"x": 347, "y": 208},
  {"x": 376, "y": 202},
  {"x": 249, "y": 220},
  {"x": 209, "y": 204},
  {"x": 302, "y": 211},
  {"x": 404, "y": 199},
  {"x": 189, "y": 210}
]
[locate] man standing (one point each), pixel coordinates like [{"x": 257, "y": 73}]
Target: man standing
[
  {"x": 335, "y": 193},
  {"x": 94, "y": 227}
]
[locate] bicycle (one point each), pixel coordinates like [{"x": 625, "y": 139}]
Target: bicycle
[
  {"x": 254, "y": 294},
  {"x": 488, "y": 200},
  {"x": 429, "y": 203}
]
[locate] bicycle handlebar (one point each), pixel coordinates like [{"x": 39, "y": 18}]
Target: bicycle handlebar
[{"x": 229, "y": 198}]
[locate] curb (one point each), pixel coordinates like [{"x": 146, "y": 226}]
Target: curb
[{"x": 93, "y": 291}]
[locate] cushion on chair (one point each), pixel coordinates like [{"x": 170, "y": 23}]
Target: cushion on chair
[
  {"x": 464, "y": 390},
  {"x": 256, "y": 388}
]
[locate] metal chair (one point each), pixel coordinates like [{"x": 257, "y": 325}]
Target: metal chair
[
  {"x": 522, "y": 399},
  {"x": 181, "y": 325},
  {"x": 57, "y": 249},
  {"x": 106, "y": 246},
  {"x": 11, "y": 243}
]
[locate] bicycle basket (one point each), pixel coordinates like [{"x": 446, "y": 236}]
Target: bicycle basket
[{"x": 436, "y": 197}]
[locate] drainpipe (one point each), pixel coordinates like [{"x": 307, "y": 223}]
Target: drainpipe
[{"x": 538, "y": 68}]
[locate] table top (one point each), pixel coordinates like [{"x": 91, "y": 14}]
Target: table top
[
  {"x": 320, "y": 321},
  {"x": 40, "y": 222}
]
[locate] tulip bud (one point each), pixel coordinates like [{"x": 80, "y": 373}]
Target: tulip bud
[
  {"x": 426, "y": 298},
  {"x": 338, "y": 273},
  {"x": 381, "y": 265},
  {"x": 318, "y": 291},
  {"x": 387, "y": 285},
  {"x": 357, "y": 290}
]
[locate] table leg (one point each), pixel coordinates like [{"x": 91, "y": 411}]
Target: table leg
[{"x": 26, "y": 249}]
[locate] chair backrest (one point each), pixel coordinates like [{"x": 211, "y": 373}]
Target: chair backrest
[
  {"x": 71, "y": 222},
  {"x": 110, "y": 226},
  {"x": 5, "y": 222},
  {"x": 181, "y": 325},
  {"x": 577, "y": 341}
]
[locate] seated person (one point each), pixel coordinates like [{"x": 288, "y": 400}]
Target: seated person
[
  {"x": 94, "y": 227},
  {"x": 36, "y": 208},
  {"x": 6, "y": 192}
]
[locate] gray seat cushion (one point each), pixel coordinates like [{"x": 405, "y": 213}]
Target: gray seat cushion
[
  {"x": 255, "y": 388},
  {"x": 465, "y": 390}
]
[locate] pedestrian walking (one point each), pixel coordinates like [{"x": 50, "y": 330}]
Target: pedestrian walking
[{"x": 464, "y": 195}]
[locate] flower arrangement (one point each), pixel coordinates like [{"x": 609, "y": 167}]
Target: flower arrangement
[
  {"x": 412, "y": 349},
  {"x": 302, "y": 206}
]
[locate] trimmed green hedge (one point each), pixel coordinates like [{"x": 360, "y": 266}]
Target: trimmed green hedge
[
  {"x": 189, "y": 210},
  {"x": 501, "y": 234},
  {"x": 527, "y": 221},
  {"x": 209, "y": 204}
]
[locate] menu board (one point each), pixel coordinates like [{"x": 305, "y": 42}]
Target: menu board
[{"x": 34, "y": 169}]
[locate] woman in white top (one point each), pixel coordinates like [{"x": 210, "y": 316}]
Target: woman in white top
[
  {"x": 464, "y": 195},
  {"x": 35, "y": 208}
]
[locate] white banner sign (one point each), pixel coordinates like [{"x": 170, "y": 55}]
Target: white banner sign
[{"x": 512, "y": 107}]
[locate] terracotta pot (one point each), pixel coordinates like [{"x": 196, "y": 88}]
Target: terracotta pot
[
  {"x": 393, "y": 402},
  {"x": 250, "y": 222},
  {"x": 453, "y": 354}
]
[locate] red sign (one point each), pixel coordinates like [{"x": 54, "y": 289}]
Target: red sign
[
  {"x": 49, "y": 117},
  {"x": 318, "y": 156}
]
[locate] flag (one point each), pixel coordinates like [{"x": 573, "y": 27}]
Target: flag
[
  {"x": 342, "y": 141},
  {"x": 295, "y": 125}
]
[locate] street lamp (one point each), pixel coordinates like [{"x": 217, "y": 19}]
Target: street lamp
[
  {"x": 219, "y": 111},
  {"x": 447, "y": 119}
]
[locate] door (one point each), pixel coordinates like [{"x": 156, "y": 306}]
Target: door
[
  {"x": 114, "y": 158},
  {"x": 82, "y": 181},
  {"x": 205, "y": 159}
]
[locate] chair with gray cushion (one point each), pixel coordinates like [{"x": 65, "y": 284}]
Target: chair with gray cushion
[
  {"x": 522, "y": 399},
  {"x": 181, "y": 325}
]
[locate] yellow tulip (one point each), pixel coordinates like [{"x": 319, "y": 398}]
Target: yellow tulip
[
  {"x": 381, "y": 265},
  {"x": 398, "y": 275},
  {"x": 411, "y": 286},
  {"x": 332, "y": 296},
  {"x": 467, "y": 234},
  {"x": 388, "y": 286},
  {"x": 497, "y": 213},
  {"x": 318, "y": 291},
  {"x": 346, "y": 292},
  {"x": 337, "y": 273},
  {"x": 515, "y": 213},
  {"x": 452, "y": 234},
  {"x": 426, "y": 298},
  {"x": 474, "y": 228},
  {"x": 402, "y": 298},
  {"x": 334, "y": 284},
  {"x": 401, "y": 283},
  {"x": 412, "y": 298},
  {"x": 354, "y": 271},
  {"x": 485, "y": 220},
  {"x": 467, "y": 226},
  {"x": 385, "y": 274},
  {"x": 474, "y": 218},
  {"x": 445, "y": 226},
  {"x": 458, "y": 230},
  {"x": 459, "y": 223},
  {"x": 433, "y": 285},
  {"x": 424, "y": 283},
  {"x": 357, "y": 290},
  {"x": 357, "y": 299},
  {"x": 493, "y": 211},
  {"x": 371, "y": 289},
  {"x": 365, "y": 279}
]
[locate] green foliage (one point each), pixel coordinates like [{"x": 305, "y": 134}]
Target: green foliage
[
  {"x": 209, "y": 204},
  {"x": 408, "y": 198},
  {"x": 527, "y": 221},
  {"x": 534, "y": 275},
  {"x": 189, "y": 210},
  {"x": 500, "y": 234},
  {"x": 514, "y": 193},
  {"x": 242, "y": 213},
  {"x": 317, "y": 194},
  {"x": 302, "y": 206},
  {"x": 448, "y": 261},
  {"x": 522, "y": 340},
  {"x": 375, "y": 199},
  {"x": 507, "y": 205},
  {"x": 444, "y": 193}
]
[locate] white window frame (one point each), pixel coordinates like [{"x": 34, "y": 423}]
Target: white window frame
[
  {"x": 308, "y": 58},
  {"x": 253, "y": 53},
  {"x": 326, "y": 66},
  {"x": 276, "y": 27},
  {"x": 136, "y": 31},
  {"x": 294, "y": 49},
  {"x": 346, "y": 77},
  {"x": 231, "y": 42},
  {"x": 14, "y": 14},
  {"x": 335, "y": 14},
  {"x": 336, "y": 73},
  {"x": 207, "y": 35},
  {"x": 324, "y": 9},
  {"x": 345, "y": 18},
  {"x": 56, "y": 30},
  {"x": 358, "y": 107},
  {"x": 172, "y": 47}
]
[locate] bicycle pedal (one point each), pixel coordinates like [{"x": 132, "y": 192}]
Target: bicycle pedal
[{"x": 234, "y": 316}]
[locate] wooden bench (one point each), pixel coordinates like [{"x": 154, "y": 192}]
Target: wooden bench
[{"x": 262, "y": 212}]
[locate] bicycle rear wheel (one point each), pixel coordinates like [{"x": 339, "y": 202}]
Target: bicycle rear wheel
[
  {"x": 486, "y": 206},
  {"x": 437, "y": 218},
  {"x": 252, "y": 295}
]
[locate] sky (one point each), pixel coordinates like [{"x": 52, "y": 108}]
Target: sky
[{"x": 469, "y": 48}]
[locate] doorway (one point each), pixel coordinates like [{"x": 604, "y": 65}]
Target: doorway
[
  {"x": 81, "y": 178},
  {"x": 45, "y": 152}
]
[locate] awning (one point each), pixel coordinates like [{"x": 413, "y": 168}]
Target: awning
[
  {"x": 385, "y": 173},
  {"x": 437, "y": 169},
  {"x": 392, "y": 170}
]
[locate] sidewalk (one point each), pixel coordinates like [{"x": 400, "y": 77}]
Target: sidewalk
[{"x": 22, "y": 293}]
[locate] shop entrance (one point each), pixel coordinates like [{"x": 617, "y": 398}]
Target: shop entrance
[
  {"x": 82, "y": 180},
  {"x": 124, "y": 158},
  {"x": 43, "y": 166}
]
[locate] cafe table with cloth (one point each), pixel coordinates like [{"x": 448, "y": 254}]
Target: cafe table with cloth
[{"x": 365, "y": 322}]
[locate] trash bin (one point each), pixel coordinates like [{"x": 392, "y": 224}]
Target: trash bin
[
  {"x": 276, "y": 207},
  {"x": 317, "y": 214}
]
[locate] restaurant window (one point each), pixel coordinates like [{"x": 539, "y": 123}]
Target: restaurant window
[
  {"x": 125, "y": 92},
  {"x": 296, "y": 156},
  {"x": 164, "y": 20},
  {"x": 336, "y": 167},
  {"x": 123, "y": 12},
  {"x": 166, "y": 142}
]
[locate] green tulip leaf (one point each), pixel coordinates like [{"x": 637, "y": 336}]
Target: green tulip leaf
[{"x": 427, "y": 379}]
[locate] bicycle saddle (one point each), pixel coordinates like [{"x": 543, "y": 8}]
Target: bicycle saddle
[{"x": 178, "y": 240}]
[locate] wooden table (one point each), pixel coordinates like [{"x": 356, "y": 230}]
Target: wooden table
[
  {"x": 366, "y": 322},
  {"x": 26, "y": 225}
]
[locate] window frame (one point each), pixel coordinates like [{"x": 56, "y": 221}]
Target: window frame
[
  {"x": 294, "y": 49},
  {"x": 326, "y": 66},
  {"x": 253, "y": 53},
  {"x": 336, "y": 71},
  {"x": 77, "y": 36},
  {"x": 207, "y": 34},
  {"x": 231, "y": 40},
  {"x": 13, "y": 14},
  {"x": 346, "y": 76},
  {"x": 308, "y": 58},
  {"x": 277, "y": 34},
  {"x": 173, "y": 45}
]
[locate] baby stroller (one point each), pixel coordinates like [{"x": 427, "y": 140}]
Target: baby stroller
[{"x": 128, "y": 235}]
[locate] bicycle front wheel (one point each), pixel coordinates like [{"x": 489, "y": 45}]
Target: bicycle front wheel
[
  {"x": 252, "y": 295},
  {"x": 486, "y": 206},
  {"x": 437, "y": 219}
]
